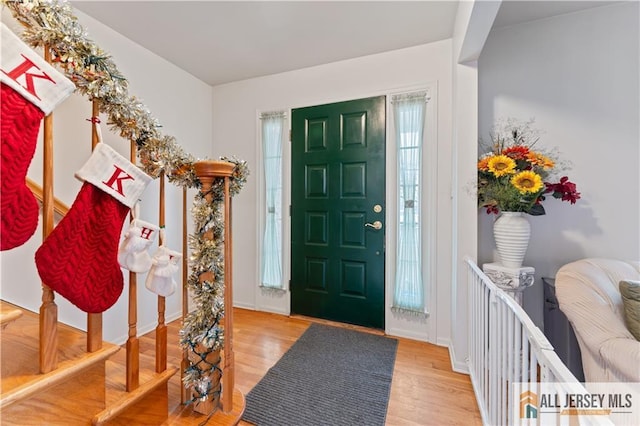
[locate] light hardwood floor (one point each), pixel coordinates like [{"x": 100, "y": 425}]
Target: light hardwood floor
[{"x": 424, "y": 389}]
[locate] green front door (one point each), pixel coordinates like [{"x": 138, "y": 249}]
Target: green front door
[{"x": 337, "y": 204}]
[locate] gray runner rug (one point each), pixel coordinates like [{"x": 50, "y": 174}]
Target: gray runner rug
[{"x": 330, "y": 376}]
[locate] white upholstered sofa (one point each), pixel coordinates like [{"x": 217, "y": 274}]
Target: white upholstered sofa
[{"x": 588, "y": 294}]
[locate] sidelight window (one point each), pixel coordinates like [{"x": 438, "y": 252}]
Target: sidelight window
[
  {"x": 409, "y": 116},
  {"x": 273, "y": 124}
]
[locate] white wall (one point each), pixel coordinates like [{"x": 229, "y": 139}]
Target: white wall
[
  {"x": 472, "y": 25},
  {"x": 577, "y": 75},
  {"x": 182, "y": 105},
  {"x": 236, "y": 107}
]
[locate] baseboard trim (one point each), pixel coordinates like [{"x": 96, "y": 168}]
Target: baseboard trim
[
  {"x": 457, "y": 365},
  {"x": 395, "y": 332}
]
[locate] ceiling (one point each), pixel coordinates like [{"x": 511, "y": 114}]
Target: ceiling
[{"x": 225, "y": 41}]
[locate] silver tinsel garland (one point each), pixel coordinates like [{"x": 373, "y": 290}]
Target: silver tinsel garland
[
  {"x": 52, "y": 25},
  {"x": 201, "y": 329}
]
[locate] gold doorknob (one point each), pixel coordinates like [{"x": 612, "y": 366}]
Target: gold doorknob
[{"x": 375, "y": 225}]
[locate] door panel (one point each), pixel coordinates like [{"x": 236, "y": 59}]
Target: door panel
[{"x": 338, "y": 176}]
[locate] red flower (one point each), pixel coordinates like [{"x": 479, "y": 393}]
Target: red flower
[
  {"x": 492, "y": 209},
  {"x": 564, "y": 189},
  {"x": 517, "y": 152}
]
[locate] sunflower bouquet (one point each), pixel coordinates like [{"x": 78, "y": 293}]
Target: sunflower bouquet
[{"x": 513, "y": 176}]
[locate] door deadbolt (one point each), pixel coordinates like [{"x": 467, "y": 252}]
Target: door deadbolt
[
  {"x": 375, "y": 225},
  {"x": 377, "y": 208}
]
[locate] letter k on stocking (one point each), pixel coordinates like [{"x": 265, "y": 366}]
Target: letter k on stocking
[
  {"x": 30, "y": 89},
  {"x": 79, "y": 259}
]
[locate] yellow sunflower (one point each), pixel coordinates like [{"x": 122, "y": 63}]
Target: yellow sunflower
[
  {"x": 527, "y": 181},
  {"x": 501, "y": 165}
]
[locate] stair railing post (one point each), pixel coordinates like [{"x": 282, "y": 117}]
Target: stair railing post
[
  {"x": 228, "y": 381},
  {"x": 48, "y": 309},
  {"x": 133, "y": 343},
  {"x": 161, "y": 328},
  {"x": 208, "y": 172},
  {"x": 185, "y": 397},
  {"x": 94, "y": 321}
]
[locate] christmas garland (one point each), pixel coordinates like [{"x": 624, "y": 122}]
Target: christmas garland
[
  {"x": 201, "y": 332},
  {"x": 52, "y": 24}
]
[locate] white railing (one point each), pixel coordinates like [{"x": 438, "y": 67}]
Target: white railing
[{"x": 506, "y": 348}]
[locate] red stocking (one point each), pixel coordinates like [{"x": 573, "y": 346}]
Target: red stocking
[
  {"x": 19, "y": 128},
  {"x": 79, "y": 259},
  {"x": 30, "y": 89}
]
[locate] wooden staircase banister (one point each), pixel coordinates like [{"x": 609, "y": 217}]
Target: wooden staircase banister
[
  {"x": 58, "y": 206},
  {"x": 69, "y": 374}
]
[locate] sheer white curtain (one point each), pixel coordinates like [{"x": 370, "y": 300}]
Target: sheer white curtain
[
  {"x": 272, "y": 133},
  {"x": 409, "y": 113}
]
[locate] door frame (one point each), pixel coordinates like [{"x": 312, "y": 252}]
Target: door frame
[{"x": 427, "y": 326}]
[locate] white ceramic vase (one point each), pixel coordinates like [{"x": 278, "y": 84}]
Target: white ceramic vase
[{"x": 511, "y": 231}]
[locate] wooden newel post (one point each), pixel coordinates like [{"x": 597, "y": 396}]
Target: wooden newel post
[
  {"x": 184, "y": 392},
  {"x": 207, "y": 172}
]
